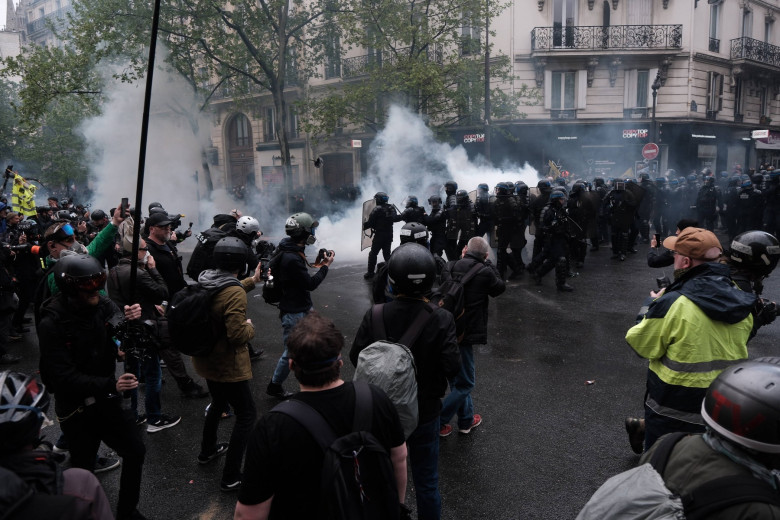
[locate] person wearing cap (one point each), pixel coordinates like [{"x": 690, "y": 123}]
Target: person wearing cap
[{"x": 691, "y": 331}]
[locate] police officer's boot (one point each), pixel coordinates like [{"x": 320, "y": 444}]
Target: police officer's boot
[
  {"x": 561, "y": 271},
  {"x": 371, "y": 266},
  {"x": 545, "y": 268}
]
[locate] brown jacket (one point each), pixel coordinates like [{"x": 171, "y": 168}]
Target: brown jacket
[{"x": 229, "y": 361}]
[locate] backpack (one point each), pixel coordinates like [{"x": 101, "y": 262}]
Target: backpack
[
  {"x": 642, "y": 493},
  {"x": 203, "y": 255},
  {"x": 451, "y": 296},
  {"x": 390, "y": 366},
  {"x": 192, "y": 328},
  {"x": 357, "y": 480}
]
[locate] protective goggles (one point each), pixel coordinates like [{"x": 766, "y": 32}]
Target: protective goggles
[{"x": 90, "y": 283}]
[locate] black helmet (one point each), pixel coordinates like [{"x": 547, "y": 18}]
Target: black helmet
[
  {"x": 620, "y": 186},
  {"x": 157, "y": 209},
  {"x": 153, "y": 205},
  {"x": 23, "y": 401},
  {"x": 483, "y": 187},
  {"x": 414, "y": 232},
  {"x": 557, "y": 194},
  {"x": 381, "y": 197},
  {"x": 434, "y": 201},
  {"x": 543, "y": 183},
  {"x": 504, "y": 189},
  {"x": 521, "y": 188},
  {"x": 74, "y": 273},
  {"x": 411, "y": 201},
  {"x": 98, "y": 214},
  {"x": 577, "y": 187},
  {"x": 411, "y": 270},
  {"x": 450, "y": 187},
  {"x": 757, "y": 251},
  {"x": 301, "y": 225},
  {"x": 461, "y": 197},
  {"x": 63, "y": 214},
  {"x": 743, "y": 405},
  {"x": 598, "y": 181},
  {"x": 644, "y": 176},
  {"x": 230, "y": 254}
]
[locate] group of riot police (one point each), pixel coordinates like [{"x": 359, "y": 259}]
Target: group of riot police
[{"x": 565, "y": 217}]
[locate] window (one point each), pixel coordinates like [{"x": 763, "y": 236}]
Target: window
[
  {"x": 768, "y": 24},
  {"x": 714, "y": 93},
  {"x": 739, "y": 99},
  {"x": 239, "y": 131},
  {"x": 469, "y": 36},
  {"x": 747, "y": 23},
  {"x": 332, "y": 57},
  {"x": 565, "y": 90},
  {"x": 638, "y": 92},
  {"x": 269, "y": 125},
  {"x": 714, "y": 23},
  {"x": 763, "y": 96},
  {"x": 563, "y": 23}
]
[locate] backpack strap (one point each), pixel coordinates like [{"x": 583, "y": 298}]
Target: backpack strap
[
  {"x": 364, "y": 407},
  {"x": 663, "y": 450},
  {"x": 378, "y": 321},
  {"x": 417, "y": 326},
  {"x": 720, "y": 493},
  {"x": 471, "y": 273}
]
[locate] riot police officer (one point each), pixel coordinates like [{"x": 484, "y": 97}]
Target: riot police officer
[
  {"x": 506, "y": 214},
  {"x": 708, "y": 202},
  {"x": 380, "y": 221},
  {"x": 555, "y": 252},
  {"x": 484, "y": 210},
  {"x": 461, "y": 226},
  {"x": 412, "y": 211},
  {"x": 620, "y": 206},
  {"x": 436, "y": 222}
]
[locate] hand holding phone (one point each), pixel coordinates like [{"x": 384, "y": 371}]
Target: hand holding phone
[{"x": 123, "y": 208}]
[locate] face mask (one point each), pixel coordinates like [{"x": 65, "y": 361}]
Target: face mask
[{"x": 145, "y": 259}]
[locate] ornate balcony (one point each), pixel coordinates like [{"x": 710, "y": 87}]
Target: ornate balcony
[
  {"x": 361, "y": 65},
  {"x": 613, "y": 37},
  {"x": 757, "y": 51},
  {"x": 58, "y": 16}
]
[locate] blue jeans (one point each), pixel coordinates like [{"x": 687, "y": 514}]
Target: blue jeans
[
  {"x": 423, "y": 446},
  {"x": 153, "y": 377},
  {"x": 283, "y": 366},
  {"x": 459, "y": 399}
]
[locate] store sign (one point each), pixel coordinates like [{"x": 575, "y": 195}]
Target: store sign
[
  {"x": 473, "y": 138},
  {"x": 771, "y": 142},
  {"x": 759, "y": 134},
  {"x": 357, "y": 143},
  {"x": 636, "y": 133}
]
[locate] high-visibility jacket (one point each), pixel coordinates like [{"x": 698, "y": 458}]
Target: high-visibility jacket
[{"x": 696, "y": 329}]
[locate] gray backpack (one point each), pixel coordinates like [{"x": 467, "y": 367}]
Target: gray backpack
[{"x": 390, "y": 366}]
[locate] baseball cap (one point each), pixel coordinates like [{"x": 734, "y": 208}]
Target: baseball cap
[
  {"x": 695, "y": 243},
  {"x": 158, "y": 219}
]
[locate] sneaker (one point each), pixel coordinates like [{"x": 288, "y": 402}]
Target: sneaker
[
  {"x": 222, "y": 447},
  {"x": 162, "y": 423},
  {"x": 9, "y": 359},
  {"x": 476, "y": 422},
  {"x": 368, "y": 276},
  {"x": 636, "y": 434},
  {"x": 445, "y": 430},
  {"x": 254, "y": 353},
  {"x": 140, "y": 419},
  {"x": 103, "y": 464},
  {"x": 230, "y": 486},
  {"x": 278, "y": 391}
]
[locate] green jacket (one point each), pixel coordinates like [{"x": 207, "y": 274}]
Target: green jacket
[{"x": 102, "y": 243}]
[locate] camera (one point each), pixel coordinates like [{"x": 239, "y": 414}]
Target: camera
[
  {"x": 663, "y": 282},
  {"x": 322, "y": 254}
]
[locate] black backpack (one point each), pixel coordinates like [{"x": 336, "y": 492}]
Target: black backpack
[
  {"x": 203, "y": 255},
  {"x": 451, "y": 295},
  {"x": 191, "y": 326},
  {"x": 370, "y": 493}
]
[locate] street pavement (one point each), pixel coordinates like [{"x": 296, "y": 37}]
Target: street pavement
[{"x": 554, "y": 385}]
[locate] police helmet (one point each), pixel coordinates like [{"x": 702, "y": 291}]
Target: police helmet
[
  {"x": 248, "y": 226},
  {"x": 543, "y": 183},
  {"x": 23, "y": 402},
  {"x": 557, "y": 194},
  {"x": 411, "y": 270},
  {"x": 745, "y": 181},
  {"x": 230, "y": 254},
  {"x": 79, "y": 272},
  {"x": 577, "y": 187},
  {"x": 483, "y": 187},
  {"x": 692, "y": 178},
  {"x": 644, "y": 176},
  {"x": 674, "y": 182},
  {"x": 301, "y": 225},
  {"x": 521, "y": 188},
  {"x": 157, "y": 209},
  {"x": 414, "y": 232},
  {"x": 97, "y": 215},
  {"x": 503, "y": 189},
  {"x": 434, "y": 201},
  {"x": 660, "y": 180},
  {"x": 598, "y": 181},
  {"x": 450, "y": 187},
  {"x": 461, "y": 197},
  {"x": 561, "y": 181},
  {"x": 154, "y": 205},
  {"x": 709, "y": 180},
  {"x": 411, "y": 201},
  {"x": 757, "y": 251},
  {"x": 743, "y": 405},
  {"x": 381, "y": 197}
]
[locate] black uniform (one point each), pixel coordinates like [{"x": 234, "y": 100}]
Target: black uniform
[
  {"x": 381, "y": 222},
  {"x": 620, "y": 206},
  {"x": 506, "y": 212},
  {"x": 555, "y": 250}
]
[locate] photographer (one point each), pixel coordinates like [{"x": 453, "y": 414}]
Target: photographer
[
  {"x": 139, "y": 341},
  {"x": 23, "y": 237},
  {"x": 78, "y": 364}
]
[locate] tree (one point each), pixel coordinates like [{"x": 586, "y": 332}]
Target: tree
[
  {"x": 426, "y": 55},
  {"x": 9, "y": 120}
]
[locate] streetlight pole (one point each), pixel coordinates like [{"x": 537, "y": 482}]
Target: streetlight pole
[
  {"x": 655, "y": 86},
  {"x": 487, "y": 81}
]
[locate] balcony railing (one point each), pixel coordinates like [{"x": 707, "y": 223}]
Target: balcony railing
[
  {"x": 40, "y": 23},
  {"x": 614, "y": 37},
  {"x": 714, "y": 45},
  {"x": 755, "y": 50},
  {"x": 361, "y": 65}
]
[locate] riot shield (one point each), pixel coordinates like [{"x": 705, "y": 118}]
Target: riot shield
[
  {"x": 533, "y": 193},
  {"x": 591, "y": 202},
  {"x": 366, "y": 235},
  {"x": 637, "y": 191}
]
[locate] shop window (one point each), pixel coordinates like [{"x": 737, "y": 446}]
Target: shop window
[{"x": 714, "y": 94}]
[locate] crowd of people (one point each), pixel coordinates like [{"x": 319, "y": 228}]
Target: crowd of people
[{"x": 99, "y": 293}]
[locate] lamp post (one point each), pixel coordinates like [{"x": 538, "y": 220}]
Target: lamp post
[{"x": 655, "y": 86}]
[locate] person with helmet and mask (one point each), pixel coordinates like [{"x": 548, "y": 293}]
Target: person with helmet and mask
[
  {"x": 660, "y": 207},
  {"x": 693, "y": 328},
  {"x": 579, "y": 212},
  {"x": 227, "y": 369},
  {"x": 292, "y": 272},
  {"x": 620, "y": 206},
  {"x": 537, "y": 205},
  {"x": 749, "y": 206},
  {"x": 506, "y": 214},
  {"x": 450, "y": 205},
  {"x": 708, "y": 202},
  {"x": 772, "y": 208},
  {"x": 753, "y": 255},
  {"x": 555, "y": 249},
  {"x": 78, "y": 364},
  {"x": 436, "y": 222},
  {"x": 380, "y": 222},
  {"x": 483, "y": 207},
  {"x": 411, "y": 272},
  {"x": 149, "y": 291},
  {"x": 518, "y": 241},
  {"x": 413, "y": 212},
  {"x": 461, "y": 224},
  {"x": 33, "y": 484}
]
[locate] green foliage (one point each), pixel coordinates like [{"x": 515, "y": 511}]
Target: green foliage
[{"x": 9, "y": 120}]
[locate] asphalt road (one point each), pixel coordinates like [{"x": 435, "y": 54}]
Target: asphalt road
[{"x": 549, "y": 437}]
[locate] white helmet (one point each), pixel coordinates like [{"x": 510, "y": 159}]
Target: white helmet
[{"x": 248, "y": 225}]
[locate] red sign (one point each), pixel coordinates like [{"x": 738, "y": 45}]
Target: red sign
[{"x": 650, "y": 151}]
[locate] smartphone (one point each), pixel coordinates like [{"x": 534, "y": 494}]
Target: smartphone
[
  {"x": 658, "y": 240},
  {"x": 123, "y": 208}
]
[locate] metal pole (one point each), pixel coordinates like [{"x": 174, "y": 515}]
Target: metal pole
[
  {"x": 655, "y": 86},
  {"x": 487, "y": 80},
  {"x": 144, "y": 135}
]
